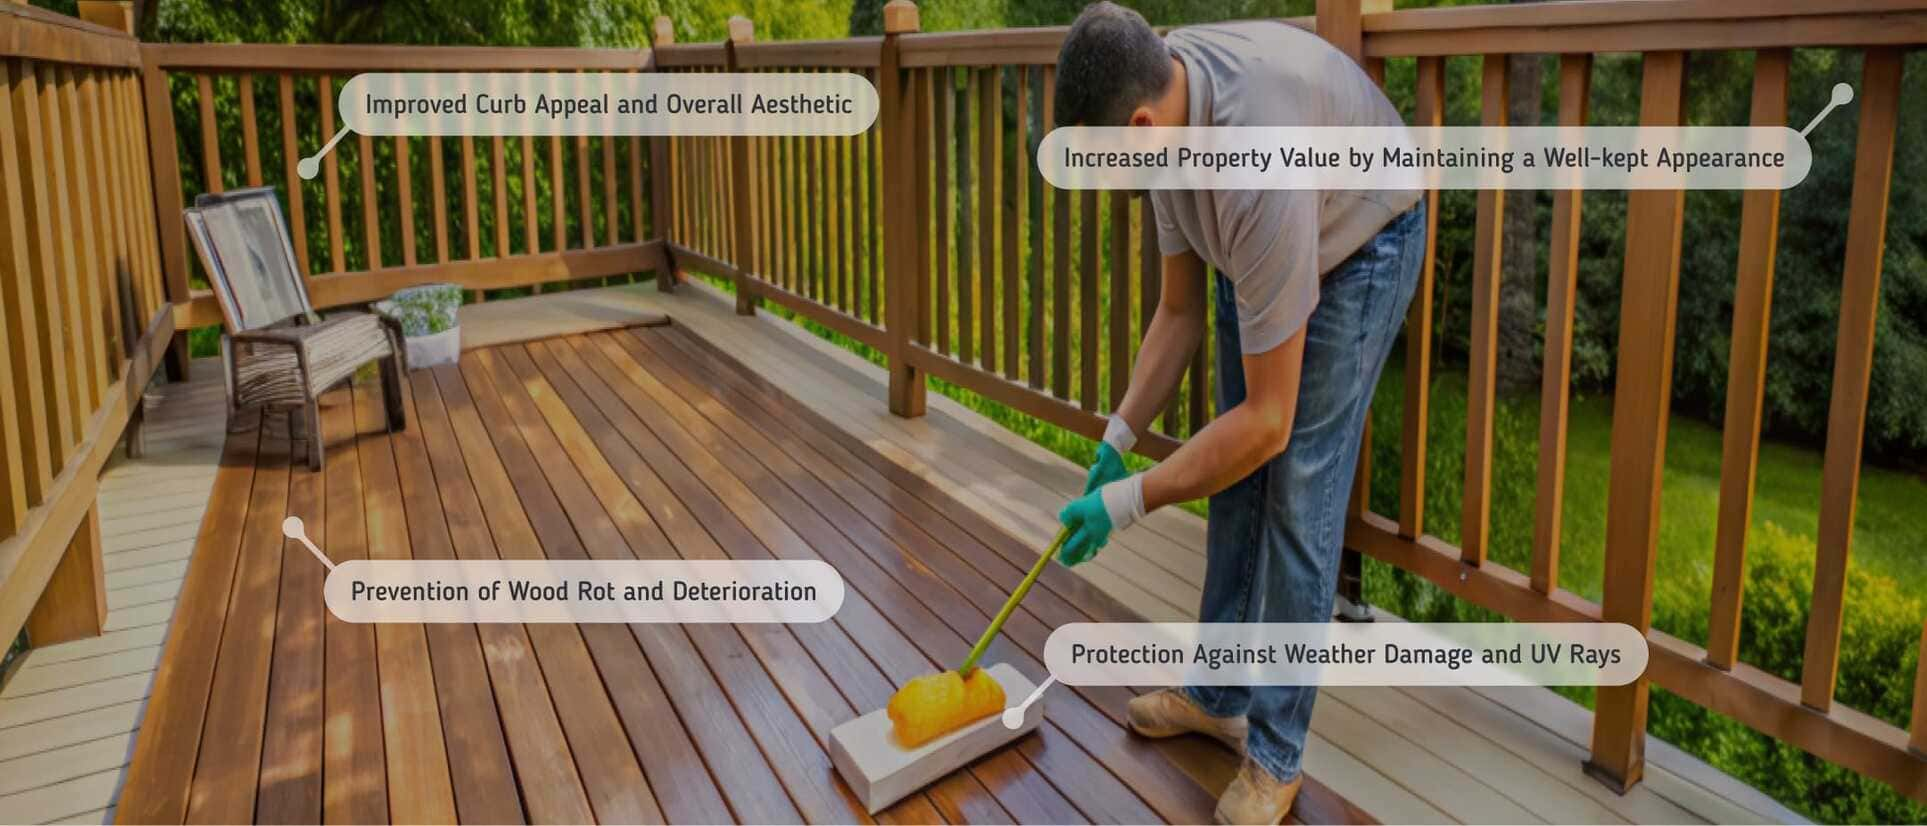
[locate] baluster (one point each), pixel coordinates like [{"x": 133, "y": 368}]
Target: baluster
[
  {"x": 990, "y": 162},
  {"x": 405, "y": 199},
  {"x": 1746, "y": 374},
  {"x": 943, "y": 138},
  {"x": 1429, "y": 111},
  {"x": 331, "y": 177},
  {"x": 1481, "y": 388},
  {"x": 250, "y": 137},
  {"x": 30, "y": 468},
  {"x": 51, "y": 254},
  {"x": 1873, "y": 163},
  {"x": 1575, "y": 86}
]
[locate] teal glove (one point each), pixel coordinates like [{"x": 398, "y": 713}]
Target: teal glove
[
  {"x": 1089, "y": 525},
  {"x": 1108, "y": 468}
]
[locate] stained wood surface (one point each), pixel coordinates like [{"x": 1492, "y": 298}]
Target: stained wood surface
[
  {"x": 70, "y": 767},
  {"x": 637, "y": 442}
]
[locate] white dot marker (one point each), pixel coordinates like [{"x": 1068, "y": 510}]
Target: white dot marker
[
  {"x": 310, "y": 166},
  {"x": 1014, "y": 716},
  {"x": 1842, "y": 95},
  {"x": 293, "y": 528}
]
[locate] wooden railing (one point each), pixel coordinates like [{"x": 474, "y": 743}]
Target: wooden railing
[
  {"x": 1034, "y": 298},
  {"x": 511, "y": 212},
  {"x": 82, "y": 304}
]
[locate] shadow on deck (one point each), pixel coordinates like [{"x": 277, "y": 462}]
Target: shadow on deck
[{"x": 643, "y": 442}]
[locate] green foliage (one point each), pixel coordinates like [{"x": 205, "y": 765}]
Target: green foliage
[{"x": 1886, "y": 588}]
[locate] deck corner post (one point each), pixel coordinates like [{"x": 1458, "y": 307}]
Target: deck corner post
[
  {"x": 74, "y": 604},
  {"x": 741, "y": 31},
  {"x": 903, "y": 226},
  {"x": 659, "y": 172},
  {"x": 114, "y": 14},
  {"x": 164, "y": 158},
  {"x": 1641, "y": 397}
]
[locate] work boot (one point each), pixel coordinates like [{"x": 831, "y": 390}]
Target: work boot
[
  {"x": 1254, "y": 796},
  {"x": 1170, "y": 712}
]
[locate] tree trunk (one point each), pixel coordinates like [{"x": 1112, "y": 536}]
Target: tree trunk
[{"x": 1519, "y": 328}]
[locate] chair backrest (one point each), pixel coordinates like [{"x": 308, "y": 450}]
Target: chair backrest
[{"x": 243, "y": 244}]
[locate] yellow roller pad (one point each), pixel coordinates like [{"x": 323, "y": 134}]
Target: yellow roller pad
[{"x": 931, "y": 706}]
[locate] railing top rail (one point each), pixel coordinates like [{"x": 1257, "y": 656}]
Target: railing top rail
[
  {"x": 1590, "y": 26},
  {"x": 846, "y": 53},
  {"x": 38, "y": 34},
  {"x": 1600, "y": 12},
  {"x": 317, "y": 59},
  {"x": 691, "y": 55}
]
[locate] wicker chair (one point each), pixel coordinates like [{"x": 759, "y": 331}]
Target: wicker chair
[{"x": 277, "y": 353}]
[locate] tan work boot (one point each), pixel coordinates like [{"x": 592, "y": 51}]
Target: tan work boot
[
  {"x": 1170, "y": 712},
  {"x": 1254, "y": 796}
]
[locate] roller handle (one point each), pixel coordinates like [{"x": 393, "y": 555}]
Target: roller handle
[{"x": 997, "y": 623}]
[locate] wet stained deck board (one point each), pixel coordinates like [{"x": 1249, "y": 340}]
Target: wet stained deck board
[{"x": 632, "y": 443}]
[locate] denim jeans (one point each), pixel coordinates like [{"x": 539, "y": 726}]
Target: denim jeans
[{"x": 1273, "y": 540}]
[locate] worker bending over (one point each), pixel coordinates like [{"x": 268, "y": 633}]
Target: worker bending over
[{"x": 1311, "y": 290}]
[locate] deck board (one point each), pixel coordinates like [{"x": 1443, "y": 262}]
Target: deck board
[{"x": 631, "y": 443}]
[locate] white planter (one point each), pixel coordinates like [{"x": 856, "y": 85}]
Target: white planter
[{"x": 436, "y": 349}]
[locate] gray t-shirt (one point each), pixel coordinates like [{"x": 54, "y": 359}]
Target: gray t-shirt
[{"x": 1274, "y": 244}]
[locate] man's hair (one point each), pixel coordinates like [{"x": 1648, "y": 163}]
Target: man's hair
[{"x": 1112, "y": 62}]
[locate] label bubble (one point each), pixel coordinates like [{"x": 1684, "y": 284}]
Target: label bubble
[
  {"x": 1365, "y": 654},
  {"x": 1409, "y": 158},
  {"x": 624, "y": 591},
  {"x": 607, "y": 103}
]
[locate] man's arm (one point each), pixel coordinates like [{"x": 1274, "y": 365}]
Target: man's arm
[
  {"x": 1176, "y": 331},
  {"x": 1240, "y": 439}
]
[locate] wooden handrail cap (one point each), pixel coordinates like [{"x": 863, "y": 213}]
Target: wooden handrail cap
[
  {"x": 900, "y": 16},
  {"x": 741, "y": 29},
  {"x": 665, "y": 30}
]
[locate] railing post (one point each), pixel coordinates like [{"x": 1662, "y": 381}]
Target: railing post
[
  {"x": 659, "y": 183},
  {"x": 1641, "y": 397},
  {"x": 902, "y": 216},
  {"x": 164, "y": 157},
  {"x": 114, "y": 14},
  {"x": 1341, "y": 23},
  {"x": 741, "y": 31}
]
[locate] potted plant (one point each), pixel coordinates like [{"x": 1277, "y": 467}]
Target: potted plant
[{"x": 429, "y": 322}]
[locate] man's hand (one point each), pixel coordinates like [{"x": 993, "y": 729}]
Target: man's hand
[
  {"x": 1089, "y": 526},
  {"x": 1109, "y": 467},
  {"x": 1092, "y": 518}
]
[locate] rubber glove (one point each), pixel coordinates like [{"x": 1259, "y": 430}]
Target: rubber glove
[
  {"x": 1109, "y": 467},
  {"x": 1092, "y": 518}
]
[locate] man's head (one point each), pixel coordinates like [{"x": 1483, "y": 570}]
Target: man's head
[{"x": 1111, "y": 68}]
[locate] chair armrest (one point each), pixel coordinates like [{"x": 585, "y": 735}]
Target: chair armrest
[{"x": 284, "y": 336}]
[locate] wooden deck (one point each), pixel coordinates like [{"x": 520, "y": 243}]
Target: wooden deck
[
  {"x": 1410, "y": 755},
  {"x": 644, "y": 442}
]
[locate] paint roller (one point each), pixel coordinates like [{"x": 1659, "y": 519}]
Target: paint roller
[{"x": 933, "y": 705}]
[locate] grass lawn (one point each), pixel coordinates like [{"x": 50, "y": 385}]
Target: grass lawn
[{"x": 1886, "y": 542}]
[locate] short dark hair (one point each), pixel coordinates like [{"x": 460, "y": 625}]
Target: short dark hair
[{"x": 1111, "y": 63}]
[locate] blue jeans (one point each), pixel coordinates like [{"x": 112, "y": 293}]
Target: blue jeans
[{"x": 1274, "y": 537}]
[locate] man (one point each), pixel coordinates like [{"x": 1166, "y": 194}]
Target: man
[{"x": 1312, "y": 288}]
